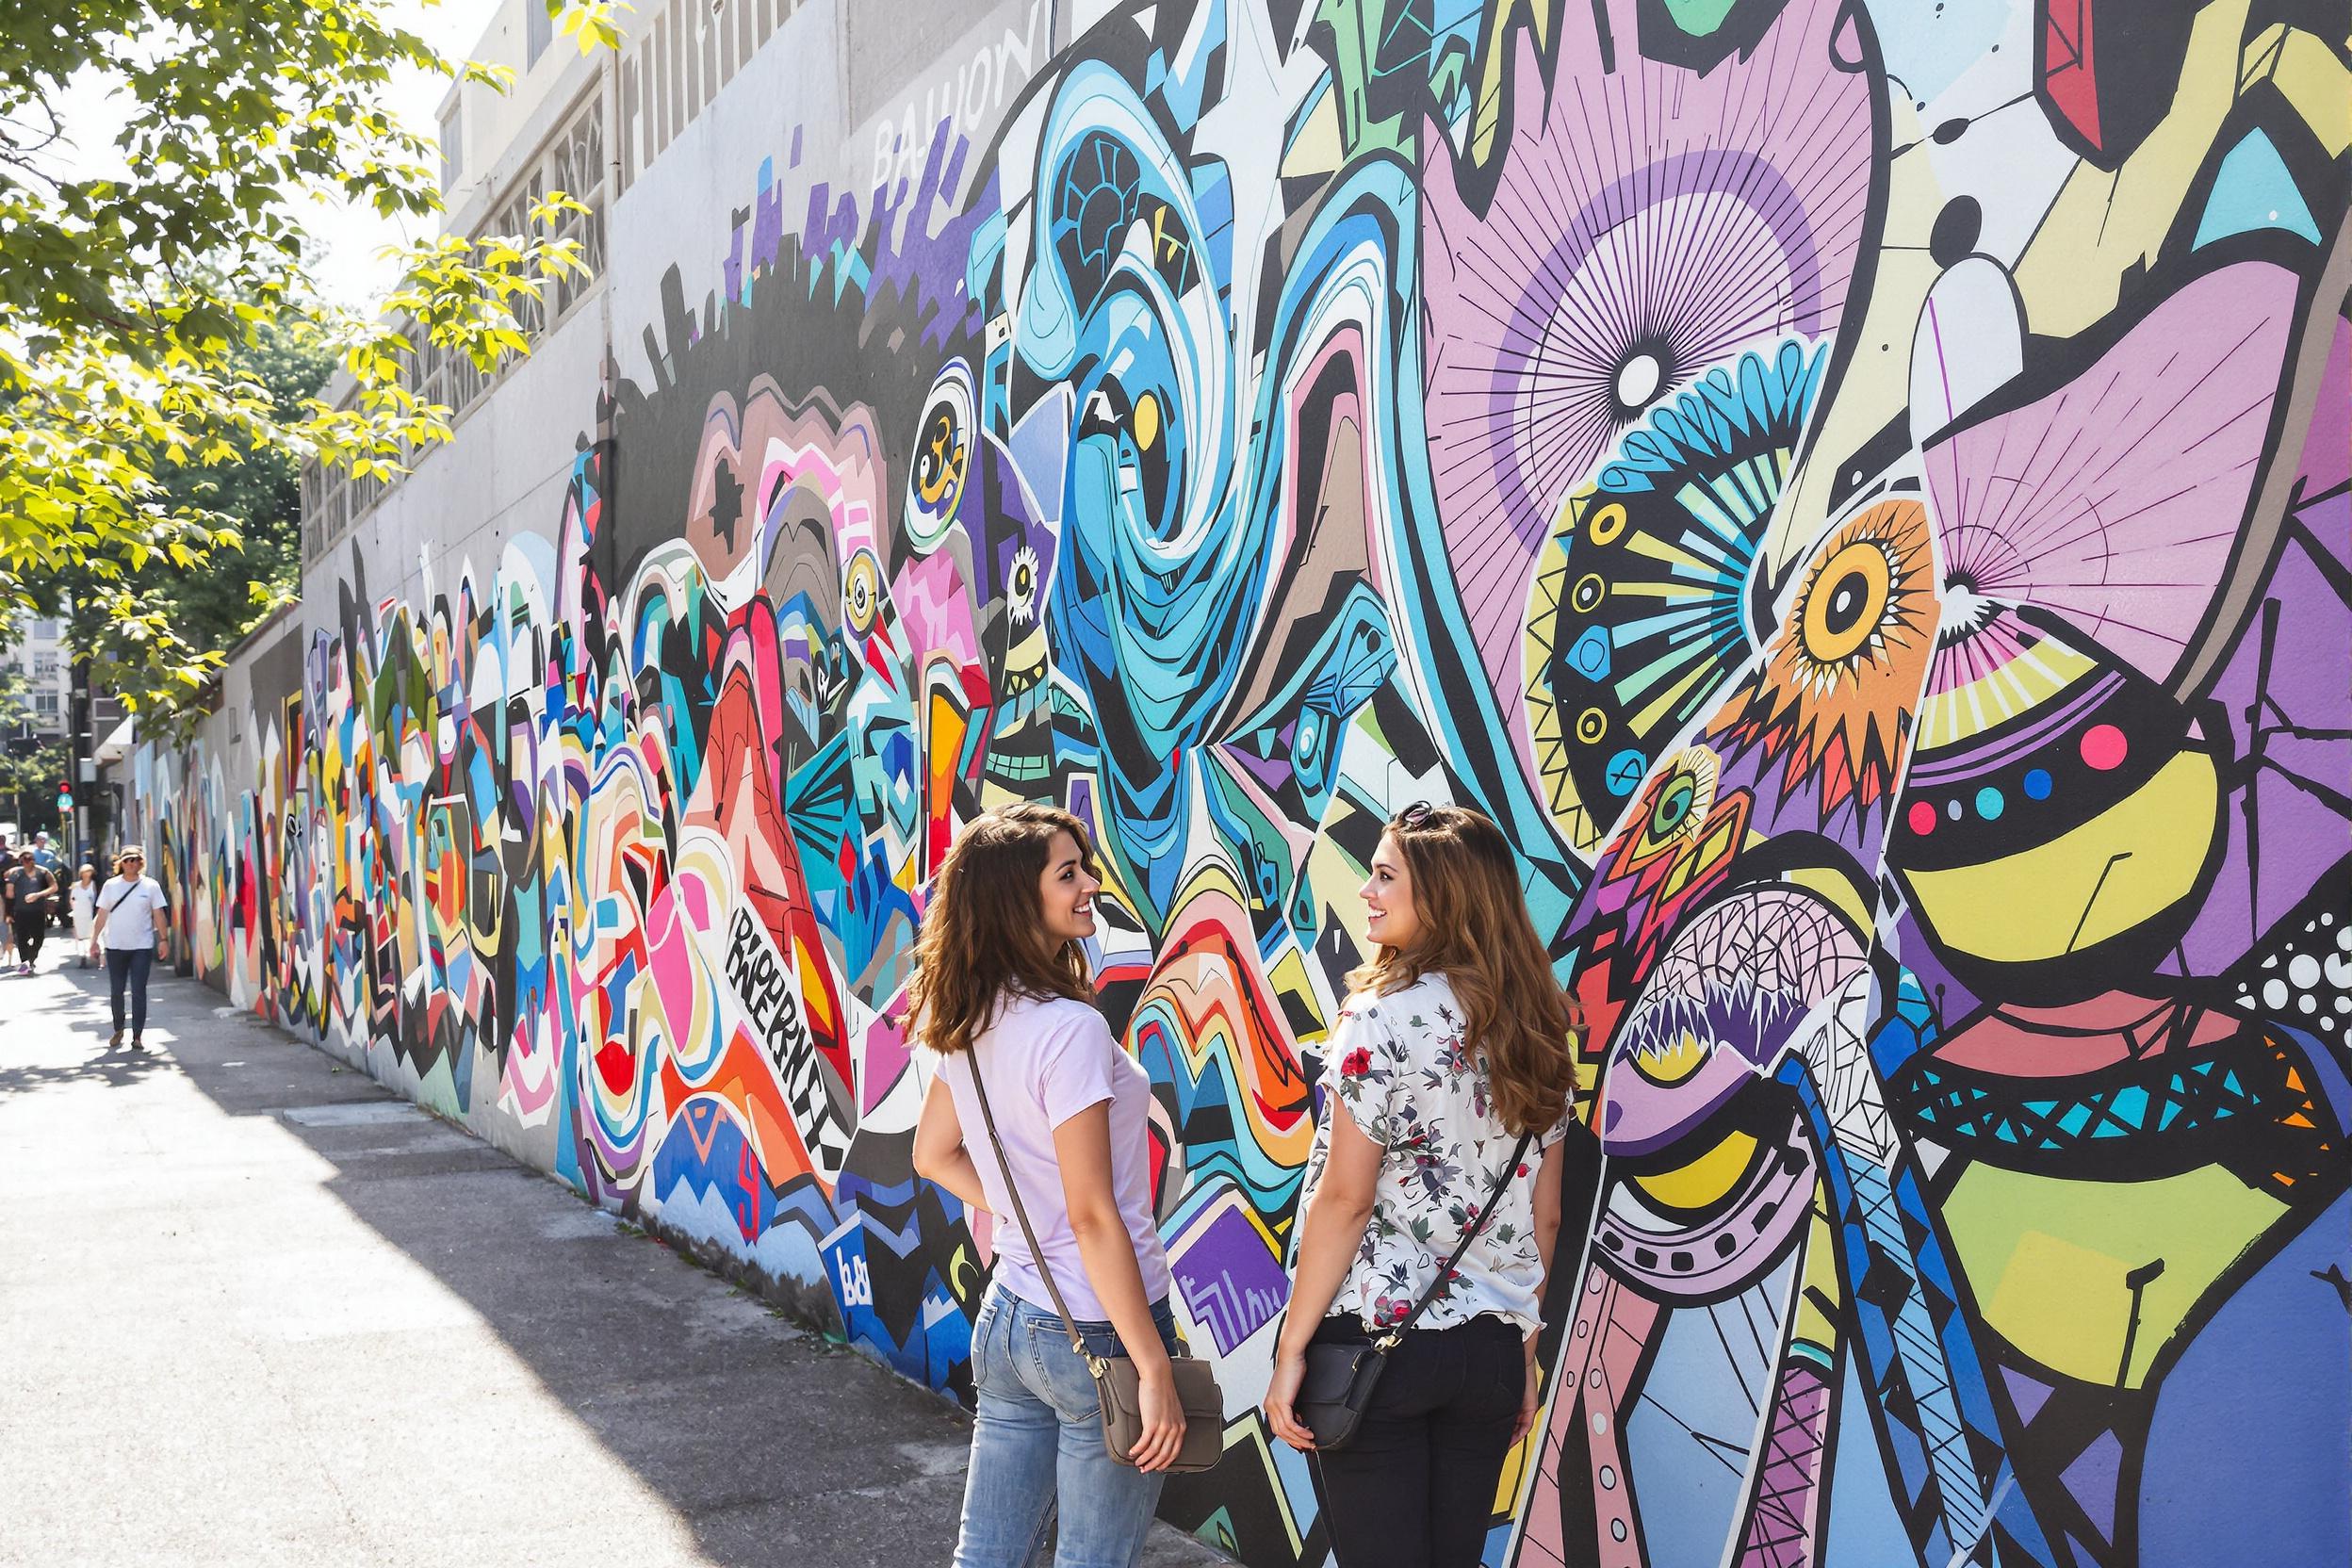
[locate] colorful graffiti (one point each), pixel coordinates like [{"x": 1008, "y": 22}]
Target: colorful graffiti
[{"x": 1858, "y": 490}]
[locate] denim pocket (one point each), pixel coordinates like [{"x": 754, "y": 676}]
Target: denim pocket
[{"x": 1063, "y": 1381}]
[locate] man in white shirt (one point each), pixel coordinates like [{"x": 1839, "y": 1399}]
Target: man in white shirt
[{"x": 134, "y": 925}]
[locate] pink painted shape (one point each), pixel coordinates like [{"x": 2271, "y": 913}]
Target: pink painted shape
[
  {"x": 1603, "y": 1346},
  {"x": 2118, "y": 499},
  {"x": 1646, "y": 195}
]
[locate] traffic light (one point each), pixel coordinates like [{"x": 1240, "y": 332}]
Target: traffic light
[{"x": 65, "y": 796}]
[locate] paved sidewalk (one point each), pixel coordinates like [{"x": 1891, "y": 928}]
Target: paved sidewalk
[{"x": 254, "y": 1311}]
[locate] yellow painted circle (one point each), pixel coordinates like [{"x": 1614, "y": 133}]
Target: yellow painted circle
[
  {"x": 1607, "y": 523},
  {"x": 1147, "y": 421},
  {"x": 1846, "y": 602}
]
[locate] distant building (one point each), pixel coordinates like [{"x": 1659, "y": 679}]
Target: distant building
[{"x": 37, "y": 649}]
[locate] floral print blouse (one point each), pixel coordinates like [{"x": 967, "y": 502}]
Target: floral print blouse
[{"x": 1397, "y": 1064}]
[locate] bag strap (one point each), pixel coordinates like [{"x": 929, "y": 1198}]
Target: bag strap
[
  {"x": 1396, "y": 1335},
  {"x": 1037, "y": 1254}
]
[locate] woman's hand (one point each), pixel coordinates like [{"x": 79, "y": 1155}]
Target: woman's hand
[
  {"x": 1162, "y": 1419},
  {"x": 1526, "y": 1423},
  {"x": 1290, "y": 1370}
]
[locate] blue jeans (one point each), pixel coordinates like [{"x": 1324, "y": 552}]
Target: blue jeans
[
  {"x": 1039, "y": 1439},
  {"x": 129, "y": 965}
]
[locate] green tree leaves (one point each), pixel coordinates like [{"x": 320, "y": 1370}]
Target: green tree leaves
[{"x": 138, "y": 305}]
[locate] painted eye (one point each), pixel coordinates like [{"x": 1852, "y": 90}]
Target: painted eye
[
  {"x": 1020, "y": 587},
  {"x": 1846, "y": 600},
  {"x": 1834, "y": 699},
  {"x": 1674, "y": 806},
  {"x": 861, "y": 592}
]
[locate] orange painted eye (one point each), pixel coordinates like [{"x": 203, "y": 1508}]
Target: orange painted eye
[{"x": 1845, "y": 601}]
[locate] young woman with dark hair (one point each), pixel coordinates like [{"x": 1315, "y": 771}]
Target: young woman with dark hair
[
  {"x": 1453, "y": 1043},
  {"x": 1002, "y": 989}
]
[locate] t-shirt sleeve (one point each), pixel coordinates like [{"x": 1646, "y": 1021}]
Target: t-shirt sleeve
[
  {"x": 1074, "y": 1064},
  {"x": 1362, "y": 1073},
  {"x": 1557, "y": 1130}
]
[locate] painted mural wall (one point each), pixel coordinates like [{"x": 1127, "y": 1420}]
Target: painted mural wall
[{"x": 1857, "y": 489}]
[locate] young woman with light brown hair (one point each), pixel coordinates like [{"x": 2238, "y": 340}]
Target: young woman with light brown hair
[
  {"x": 1002, "y": 989},
  {"x": 1453, "y": 1044}
]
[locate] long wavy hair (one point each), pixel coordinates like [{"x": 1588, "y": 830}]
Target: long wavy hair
[
  {"x": 1476, "y": 932},
  {"x": 983, "y": 933}
]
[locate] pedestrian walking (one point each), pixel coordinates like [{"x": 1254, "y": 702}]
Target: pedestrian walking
[
  {"x": 1421, "y": 1235},
  {"x": 133, "y": 926},
  {"x": 45, "y": 856},
  {"x": 1003, "y": 994},
  {"x": 32, "y": 899},
  {"x": 85, "y": 900}
]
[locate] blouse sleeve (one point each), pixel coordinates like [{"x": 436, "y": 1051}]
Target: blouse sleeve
[{"x": 1362, "y": 1073}]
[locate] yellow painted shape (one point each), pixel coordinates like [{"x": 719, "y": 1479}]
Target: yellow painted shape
[
  {"x": 2027, "y": 681},
  {"x": 1835, "y": 889},
  {"x": 1660, "y": 550},
  {"x": 1706, "y": 1179},
  {"x": 1671, "y": 1063},
  {"x": 2310, "y": 77},
  {"x": 2028, "y": 906},
  {"x": 1289, "y": 977},
  {"x": 1877, "y": 375},
  {"x": 1317, "y": 149},
  {"x": 1649, "y": 716},
  {"x": 2048, "y": 1258},
  {"x": 1818, "y": 1282},
  {"x": 1147, "y": 421},
  {"x": 2102, "y": 224}
]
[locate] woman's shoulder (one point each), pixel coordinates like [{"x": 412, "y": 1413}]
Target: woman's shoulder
[
  {"x": 1425, "y": 1005},
  {"x": 1044, "y": 1017}
]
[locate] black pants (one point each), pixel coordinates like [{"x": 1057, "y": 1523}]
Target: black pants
[
  {"x": 1416, "y": 1487},
  {"x": 31, "y": 931},
  {"x": 128, "y": 966}
]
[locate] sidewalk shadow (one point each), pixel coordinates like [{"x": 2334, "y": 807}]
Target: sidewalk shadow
[
  {"x": 775, "y": 1448},
  {"x": 115, "y": 1068},
  {"x": 106, "y": 1064}
]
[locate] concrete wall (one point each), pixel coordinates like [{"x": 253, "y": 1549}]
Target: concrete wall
[{"x": 1858, "y": 491}]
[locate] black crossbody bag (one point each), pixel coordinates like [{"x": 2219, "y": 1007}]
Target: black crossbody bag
[{"x": 1341, "y": 1375}]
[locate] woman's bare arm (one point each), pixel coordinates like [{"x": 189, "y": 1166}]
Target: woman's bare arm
[
  {"x": 1082, "y": 1145},
  {"x": 940, "y": 1152},
  {"x": 1329, "y": 1233}
]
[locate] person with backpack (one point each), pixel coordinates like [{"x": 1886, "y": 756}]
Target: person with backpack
[
  {"x": 133, "y": 929},
  {"x": 1432, "y": 1204}
]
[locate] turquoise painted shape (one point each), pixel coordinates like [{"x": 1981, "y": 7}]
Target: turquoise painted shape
[{"x": 2254, "y": 191}]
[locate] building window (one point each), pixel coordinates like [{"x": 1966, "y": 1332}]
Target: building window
[
  {"x": 453, "y": 145},
  {"x": 538, "y": 31},
  {"x": 44, "y": 629},
  {"x": 45, "y": 667},
  {"x": 45, "y": 705}
]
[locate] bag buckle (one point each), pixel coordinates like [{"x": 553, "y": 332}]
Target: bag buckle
[{"x": 1388, "y": 1341}]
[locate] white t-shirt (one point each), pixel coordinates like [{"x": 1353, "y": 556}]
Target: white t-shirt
[
  {"x": 130, "y": 909},
  {"x": 1045, "y": 1061},
  {"x": 1399, "y": 1067}
]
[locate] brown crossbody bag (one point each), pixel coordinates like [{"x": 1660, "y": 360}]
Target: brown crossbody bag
[{"x": 1116, "y": 1378}]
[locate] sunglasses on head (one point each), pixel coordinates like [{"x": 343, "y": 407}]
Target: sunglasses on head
[{"x": 1414, "y": 815}]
